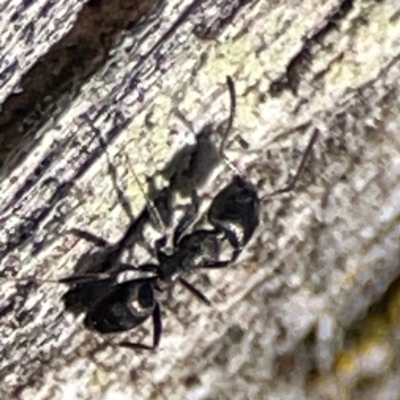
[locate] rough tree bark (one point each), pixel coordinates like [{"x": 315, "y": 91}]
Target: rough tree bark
[{"x": 323, "y": 254}]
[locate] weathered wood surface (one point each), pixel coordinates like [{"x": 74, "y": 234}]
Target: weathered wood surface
[
  {"x": 27, "y": 32},
  {"x": 48, "y": 49},
  {"x": 322, "y": 255}
]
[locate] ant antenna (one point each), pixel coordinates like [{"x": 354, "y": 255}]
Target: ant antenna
[
  {"x": 111, "y": 169},
  {"x": 232, "y": 111},
  {"x": 232, "y": 95},
  {"x": 149, "y": 204},
  {"x": 292, "y": 183},
  {"x": 29, "y": 279},
  {"x": 86, "y": 277}
]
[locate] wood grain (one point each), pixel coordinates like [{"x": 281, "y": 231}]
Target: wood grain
[{"x": 322, "y": 255}]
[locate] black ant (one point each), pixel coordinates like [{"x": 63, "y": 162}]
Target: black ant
[
  {"x": 116, "y": 307},
  {"x": 113, "y": 306}
]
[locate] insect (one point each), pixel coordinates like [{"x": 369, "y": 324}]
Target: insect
[
  {"x": 114, "y": 306},
  {"x": 112, "y": 303},
  {"x": 233, "y": 216}
]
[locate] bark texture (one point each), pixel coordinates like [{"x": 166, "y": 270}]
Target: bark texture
[{"x": 311, "y": 308}]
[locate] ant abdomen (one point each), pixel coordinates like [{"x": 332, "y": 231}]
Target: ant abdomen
[{"x": 126, "y": 306}]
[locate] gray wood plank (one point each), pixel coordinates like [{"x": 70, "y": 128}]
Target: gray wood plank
[{"x": 322, "y": 255}]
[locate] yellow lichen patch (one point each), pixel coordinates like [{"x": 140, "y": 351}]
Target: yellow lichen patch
[
  {"x": 369, "y": 43},
  {"x": 394, "y": 307},
  {"x": 368, "y": 355},
  {"x": 347, "y": 367},
  {"x": 131, "y": 149},
  {"x": 100, "y": 378},
  {"x": 377, "y": 328},
  {"x": 222, "y": 61}
]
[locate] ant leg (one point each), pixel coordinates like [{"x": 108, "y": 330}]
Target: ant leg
[
  {"x": 143, "y": 268},
  {"x": 125, "y": 204},
  {"x": 290, "y": 186},
  {"x": 194, "y": 291},
  {"x": 237, "y": 249},
  {"x": 157, "y": 321},
  {"x": 217, "y": 264},
  {"x": 187, "y": 219},
  {"x": 103, "y": 276},
  {"x": 89, "y": 237},
  {"x": 84, "y": 278},
  {"x": 157, "y": 331}
]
